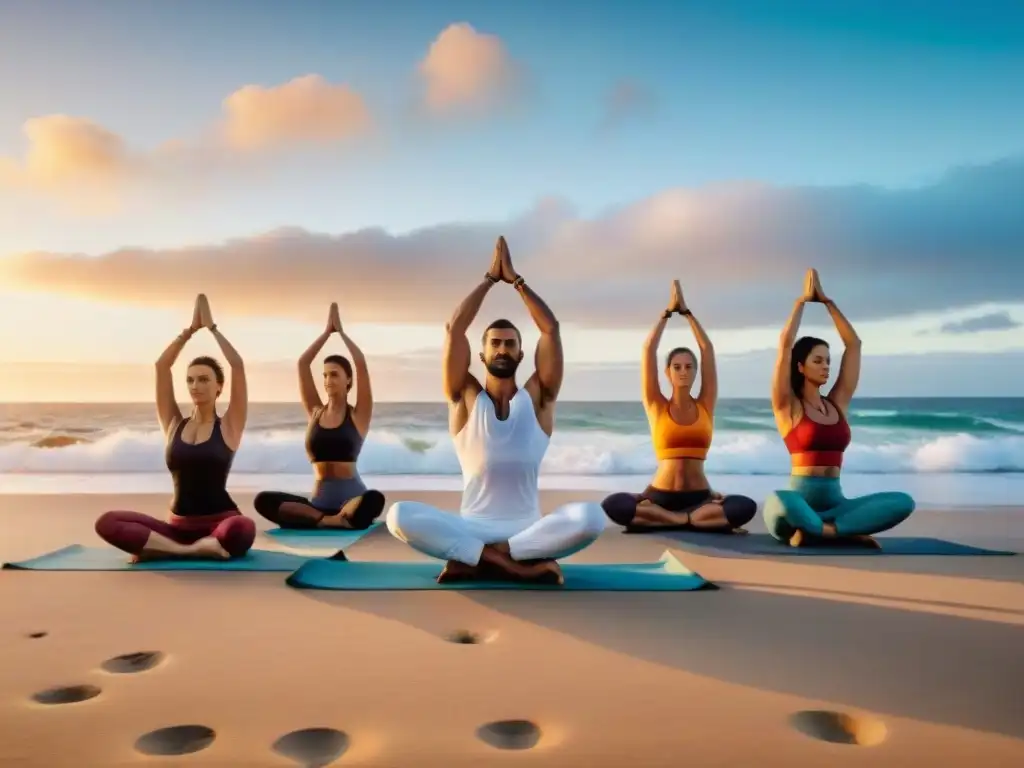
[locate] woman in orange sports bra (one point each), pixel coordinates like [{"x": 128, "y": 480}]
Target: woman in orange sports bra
[
  {"x": 816, "y": 432},
  {"x": 679, "y": 496}
]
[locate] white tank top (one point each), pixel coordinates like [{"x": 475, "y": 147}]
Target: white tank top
[{"x": 501, "y": 460}]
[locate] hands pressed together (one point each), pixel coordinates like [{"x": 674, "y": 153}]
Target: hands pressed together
[
  {"x": 202, "y": 317},
  {"x": 676, "y": 303},
  {"x": 333, "y": 320},
  {"x": 813, "y": 294},
  {"x": 501, "y": 264}
]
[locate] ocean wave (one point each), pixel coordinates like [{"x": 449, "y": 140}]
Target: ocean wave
[{"x": 572, "y": 452}]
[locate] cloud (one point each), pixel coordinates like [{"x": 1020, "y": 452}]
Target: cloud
[
  {"x": 306, "y": 109},
  {"x": 73, "y": 158},
  {"x": 993, "y": 321},
  {"x": 739, "y": 249},
  {"x": 465, "y": 71},
  {"x": 91, "y": 168},
  {"x": 625, "y": 100}
]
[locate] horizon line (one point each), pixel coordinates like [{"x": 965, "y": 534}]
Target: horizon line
[{"x": 561, "y": 402}]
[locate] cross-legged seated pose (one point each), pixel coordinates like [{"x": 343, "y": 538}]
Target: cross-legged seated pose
[
  {"x": 334, "y": 439},
  {"x": 204, "y": 521},
  {"x": 816, "y": 432},
  {"x": 679, "y": 496},
  {"x": 501, "y": 433}
]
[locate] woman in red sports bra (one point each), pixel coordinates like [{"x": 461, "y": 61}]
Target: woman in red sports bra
[
  {"x": 682, "y": 426},
  {"x": 816, "y": 432}
]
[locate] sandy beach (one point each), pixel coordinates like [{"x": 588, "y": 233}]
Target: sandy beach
[{"x": 928, "y": 646}]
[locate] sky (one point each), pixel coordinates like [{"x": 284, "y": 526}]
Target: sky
[{"x": 279, "y": 157}]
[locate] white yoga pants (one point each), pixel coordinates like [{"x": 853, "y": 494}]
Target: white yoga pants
[{"x": 449, "y": 536}]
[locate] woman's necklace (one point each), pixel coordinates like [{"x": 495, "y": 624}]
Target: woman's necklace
[{"x": 822, "y": 409}]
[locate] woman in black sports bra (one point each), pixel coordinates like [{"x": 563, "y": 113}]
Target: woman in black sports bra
[
  {"x": 204, "y": 521},
  {"x": 334, "y": 439}
]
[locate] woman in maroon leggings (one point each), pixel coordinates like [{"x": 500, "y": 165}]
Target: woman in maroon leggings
[{"x": 204, "y": 521}]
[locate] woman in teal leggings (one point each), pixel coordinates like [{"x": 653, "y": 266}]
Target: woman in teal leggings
[{"x": 816, "y": 432}]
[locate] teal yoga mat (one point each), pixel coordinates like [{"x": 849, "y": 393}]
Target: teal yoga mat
[
  {"x": 79, "y": 558},
  {"x": 764, "y": 544},
  {"x": 319, "y": 538},
  {"x": 666, "y": 575}
]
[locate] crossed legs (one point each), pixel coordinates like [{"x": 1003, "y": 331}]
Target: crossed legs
[
  {"x": 524, "y": 550},
  {"x": 655, "y": 509},
  {"x": 815, "y": 507},
  {"x": 218, "y": 537},
  {"x": 290, "y": 511}
]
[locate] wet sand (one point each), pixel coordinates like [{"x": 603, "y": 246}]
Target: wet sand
[{"x": 922, "y": 652}]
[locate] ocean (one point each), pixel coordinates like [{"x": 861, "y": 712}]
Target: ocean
[{"x": 952, "y": 451}]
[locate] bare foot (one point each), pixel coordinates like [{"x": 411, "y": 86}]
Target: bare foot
[
  {"x": 339, "y": 520},
  {"x": 546, "y": 572},
  {"x": 797, "y": 538},
  {"x": 650, "y": 515},
  {"x": 210, "y": 548},
  {"x": 454, "y": 570}
]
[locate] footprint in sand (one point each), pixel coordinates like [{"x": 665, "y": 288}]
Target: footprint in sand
[
  {"x": 312, "y": 747},
  {"x": 69, "y": 694},
  {"x": 129, "y": 663},
  {"x": 36, "y": 635},
  {"x": 175, "y": 740},
  {"x": 469, "y": 637},
  {"x": 509, "y": 734},
  {"x": 840, "y": 727}
]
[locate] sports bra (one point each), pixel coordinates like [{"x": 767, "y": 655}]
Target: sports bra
[
  {"x": 199, "y": 472},
  {"x": 819, "y": 445},
  {"x": 673, "y": 440},
  {"x": 340, "y": 443}
]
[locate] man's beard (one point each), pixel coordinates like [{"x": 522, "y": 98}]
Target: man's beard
[{"x": 502, "y": 367}]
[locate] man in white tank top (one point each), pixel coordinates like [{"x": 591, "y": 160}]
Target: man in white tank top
[{"x": 501, "y": 433}]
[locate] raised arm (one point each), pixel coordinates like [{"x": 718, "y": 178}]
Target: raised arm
[
  {"x": 233, "y": 423},
  {"x": 650, "y": 389},
  {"x": 167, "y": 411},
  {"x": 455, "y": 368},
  {"x": 708, "y": 366},
  {"x": 364, "y": 390},
  {"x": 549, "y": 359},
  {"x": 308, "y": 393},
  {"x": 849, "y": 369},
  {"x": 782, "y": 390}
]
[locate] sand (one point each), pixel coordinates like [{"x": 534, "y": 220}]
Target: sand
[{"x": 928, "y": 653}]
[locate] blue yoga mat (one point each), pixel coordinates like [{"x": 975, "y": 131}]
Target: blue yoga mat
[
  {"x": 317, "y": 538},
  {"x": 79, "y": 558},
  {"x": 764, "y": 544},
  {"x": 666, "y": 575}
]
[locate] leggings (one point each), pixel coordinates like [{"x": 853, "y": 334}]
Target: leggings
[
  {"x": 129, "y": 531},
  {"x": 269, "y": 503},
  {"x": 450, "y": 536},
  {"x": 621, "y": 507},
  {"x": 812, "y": 501}
]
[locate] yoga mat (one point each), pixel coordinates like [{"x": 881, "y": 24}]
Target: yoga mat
[
  {"x": 764, "y": 544},
  {"x": 666, "y": 575},
  {"x": 79, "y": 558},
  {"x": 311, "y": 538}
]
